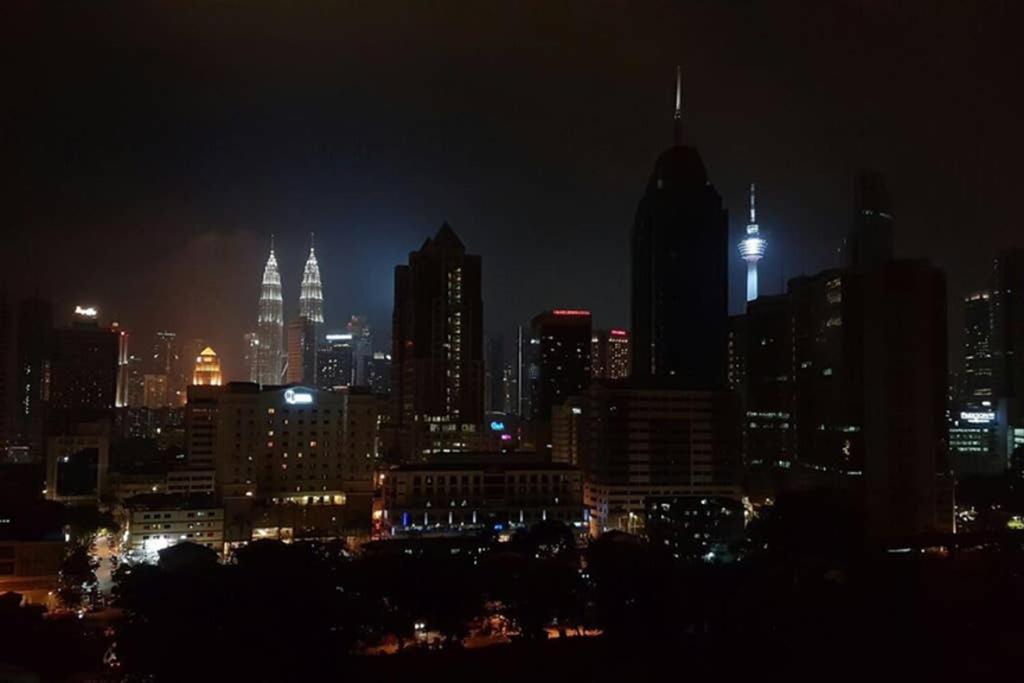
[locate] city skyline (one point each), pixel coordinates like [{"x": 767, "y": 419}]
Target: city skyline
[{"x": 373, "y": 183}]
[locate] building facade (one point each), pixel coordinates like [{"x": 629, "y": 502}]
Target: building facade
[
  {"x": 560, "y": 362},
  {"x": 609, "y": 354},
  {"x": 270, "y": 326}
]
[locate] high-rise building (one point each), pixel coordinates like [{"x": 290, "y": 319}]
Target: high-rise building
[
  {"x": 270, "y": 325},
  {"x": 251, "y": 358},
  {"x": 121, "y": 393},
  {"x": 752, "y": 248},
  {"x": 379, "y": 373},
  {"x": 976, "y": 378},
  {"x": 437, "y": 339},
  {"x": 648, "y": 438},
  {"x": 311, "y": 296},
  {"x": 302, "y": 342},
  {"x": 84, "y": 368},
  {"x": 494, "y": 367},
  {"x": 769, "y": 389},
  {"x": 680, "y": 271},
  {"x": 155, "y": 391},
  {"x": 207, "y": 372},
  {"x": 871, "y": 241},
  {"x": 609, "y": 354},
  {"x": 907, "y": 476},
  {"x": 136, "y": 392},
  {"x": 362, "y": 347},
  {"x": 32, "y": 374},
  {"x": 336, "y": 362},
  {"x": 561, "y": 358},
  {"x": 6, "y": 374},
  {"x": 1008, "y": 319},
  {"x": 828, "y": 370}
]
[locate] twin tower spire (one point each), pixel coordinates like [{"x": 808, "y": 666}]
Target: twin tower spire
[{"x": 269, "y": 365}]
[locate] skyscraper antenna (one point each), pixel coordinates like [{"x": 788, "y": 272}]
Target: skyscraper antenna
[
  {"x": 677, "y": 117},
  {"x": 753, "y": 206},
  {"x": 271, "y": 243},
  {"x": 312, "y": 237}
]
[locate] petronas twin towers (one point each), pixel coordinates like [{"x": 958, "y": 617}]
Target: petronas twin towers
[{"x": 268, "y": 361}]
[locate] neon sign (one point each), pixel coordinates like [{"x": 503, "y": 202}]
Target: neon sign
[
  {"x": 570, "y": 311},
  {"x": 300, "y": 398},
  {"x": 978, "y": 417},
  {"x": 497, "y": 426}
]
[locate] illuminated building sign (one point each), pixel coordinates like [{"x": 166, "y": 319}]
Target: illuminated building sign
[
  {"x": 297, "y": 398},
  {"x": 497, "y": 426},
  {"x": 618, "y": 333},
  {"x": 86, "y": 311},
  {"x": 338, "y": 337},
  {"x": 570, "y": 311},
  {"x": 978, "y": 417}
]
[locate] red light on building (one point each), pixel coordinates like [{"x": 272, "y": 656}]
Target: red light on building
[
  {"x": 618, "y": 333},
  {"x": 570, "y": 311}
]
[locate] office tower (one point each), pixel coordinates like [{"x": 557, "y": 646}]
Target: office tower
[
  {"x": 1008, "y": 320},
  {"x": 561, "y": 358},
  {"x": 166, "y": 353},
  {"x": 871, "y": 241},
  {"x": 494, "y": 367},
  {"x": 155, "y": 391},
  {"x": 32, "y": 375},
  {"x": 907, "y": 479},
  {"x": 251, "y": 358},
  {"x": 976, "y": 379},
  {"x": 609, "y": 354},
  {"x": 510, "y": 389},
  {"x": 311, "y": 296},
  {"x": 207, "y": 372},
  {"x": 437, "y": 339},
  {"x": 567, "y": 426},
  {"x": 752, "y": 248},
  {"x": 768, "y": 391},
  {"x": 644, "y": 438},
  {"x": 136, "y": 391},
  {"x": 121, "y": 393},
  {"x": 828, "y": 368},
  {"x": 270, "y": 325},
  {"x": 335, "y": 362},
  {"x": 523, "y": 364},
  {"x": 84, "y": 367},
  {"x": 362, "y": 347},
  {"x": 302, "y": 337},
  {"x": 77, "y": 461},
  {"x": 378, "y": 374},
  {"x": 680, "y": 271}
]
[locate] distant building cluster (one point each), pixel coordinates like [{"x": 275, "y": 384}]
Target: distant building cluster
[{"x": 676, "y": 427}]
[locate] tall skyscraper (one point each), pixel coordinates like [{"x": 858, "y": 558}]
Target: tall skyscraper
[
  {"x": 302, "y": 343},
  {"x": 561, "y": 357},
  {"x": 609, "y": 354},
  {"x": 437, "y": 338},
  {"x": 270, "y": 325},
  {"x": 6, "y": 365},
  {"x": 335, "y": 362},
  {"x": 311, "y": 296},
  {"x": 976, "y": 380},
  {"x": 362, "y": 347},
  {"x": 251, "y": 344},
  {"x": 84, "y": 368},
  {"x": 752, "y": 248},
  {"x": 907, "y": 478},
  {"x": 871, "y": 242},
  {"x": 495, "y": 373},
  {"x": 680, "y": 271},
  {"x": 33, "y": 355}
]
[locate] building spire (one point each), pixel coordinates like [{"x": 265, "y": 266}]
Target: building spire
[
  {"x": 753, "y": 206},
  {"x": 677, "y": 117},
  {"x": 312, "y": 240}
]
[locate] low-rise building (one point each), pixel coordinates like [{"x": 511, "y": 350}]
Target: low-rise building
[
  {"x": 473, "y": 493},
  {"x": 157, "y": 521}
]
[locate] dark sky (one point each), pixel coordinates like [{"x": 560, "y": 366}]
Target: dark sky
[{"x": 154, "y": 146}]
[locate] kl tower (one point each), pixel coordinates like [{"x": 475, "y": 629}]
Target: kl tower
[{"x": 752, "y": 249}]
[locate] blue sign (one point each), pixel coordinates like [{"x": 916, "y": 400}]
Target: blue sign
[{"x": 497, "y": 426}]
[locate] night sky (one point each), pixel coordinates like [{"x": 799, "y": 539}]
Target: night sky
[{"x": 153, "y": 150}]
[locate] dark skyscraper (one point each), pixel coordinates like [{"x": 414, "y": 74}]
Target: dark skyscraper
[
  {"x": 679, "y": 271},
  {"x": 871, "y": 242},
  {"x": 562, "y": 359},
  {"x": 302, "y": 340},
  {"x": 495, "y": 369},
  {"x": 909, "y": 489},
  {"x": 437, "y": 338},
  {"x": 35, "y": 338},
  {"x": 84, "y": 367}
]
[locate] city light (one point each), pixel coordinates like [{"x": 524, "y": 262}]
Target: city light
[
  {"x": 86, "y": 311},
  {"x": 293, "y": 397}
]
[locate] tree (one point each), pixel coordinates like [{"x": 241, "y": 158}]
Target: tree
[{"x": 77, "y": 585}]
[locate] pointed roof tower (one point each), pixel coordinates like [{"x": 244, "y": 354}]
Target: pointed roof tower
[
  {"x": 677, "y": 116},
  {"x": 311, "y": 297}
]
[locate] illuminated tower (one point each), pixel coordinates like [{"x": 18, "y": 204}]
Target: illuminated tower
[
  {"x": 207, "y": 372},
  {"x": 270, "y": 328},
  {"x": 311, "y": 299},
  {"x": 752, "y": 248}
]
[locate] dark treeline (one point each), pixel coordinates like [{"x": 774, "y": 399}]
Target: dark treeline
[{"x": 801, "y": 601}]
